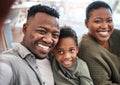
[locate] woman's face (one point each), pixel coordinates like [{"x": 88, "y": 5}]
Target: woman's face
[{"x": 100, "y": 24}]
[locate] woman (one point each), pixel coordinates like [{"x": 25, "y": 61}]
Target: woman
[{"x": 100, "y": 48}]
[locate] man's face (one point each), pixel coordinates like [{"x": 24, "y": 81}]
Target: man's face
[{"x": 41, "y": 34}]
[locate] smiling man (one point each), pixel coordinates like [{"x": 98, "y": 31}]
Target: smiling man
[{"x": 27, "y": 63}]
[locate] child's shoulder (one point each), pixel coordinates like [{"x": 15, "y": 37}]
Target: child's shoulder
[{"x": 80, "y": 61}]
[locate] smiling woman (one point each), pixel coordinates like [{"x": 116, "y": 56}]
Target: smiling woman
[{"x": 100, "y": 48}]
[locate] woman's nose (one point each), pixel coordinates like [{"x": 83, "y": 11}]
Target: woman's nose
[{"x": 105, "y": 25}]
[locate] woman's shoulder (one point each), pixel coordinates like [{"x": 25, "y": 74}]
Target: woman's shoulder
[
  {"x": 115, "y": 35},
  {"x": 88, "y": 45},
  {"x": 87, "y": 40},
  {"x": 116, "y": 32}
]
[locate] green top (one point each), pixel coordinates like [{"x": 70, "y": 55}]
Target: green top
[
  {"x": 77, "y": 74},
  {"x": 103, "y": 64}
]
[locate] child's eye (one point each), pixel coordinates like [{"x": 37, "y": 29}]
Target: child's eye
[
  {"x": 72, "y": 50},
  {"x": 60, "y": 52}
]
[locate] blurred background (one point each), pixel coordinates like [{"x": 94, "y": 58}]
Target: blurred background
[{"x": 72, "y": 13}]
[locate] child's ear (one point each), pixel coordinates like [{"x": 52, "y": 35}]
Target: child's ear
[
  {"x": 77, "y": 50},
  {"x": 52, "y": 52}
]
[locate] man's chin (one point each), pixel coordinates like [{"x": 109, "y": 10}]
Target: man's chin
[{"x": 40, "y": 55}]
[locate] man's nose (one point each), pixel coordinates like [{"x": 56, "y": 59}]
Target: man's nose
[{"x": 48, "y": 38}]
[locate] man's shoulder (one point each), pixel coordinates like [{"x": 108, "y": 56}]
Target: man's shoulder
[
  {"x": 11, "y": 54},
  {"x": 18, "y": 50},
  {"x": 8, "y": 56}
]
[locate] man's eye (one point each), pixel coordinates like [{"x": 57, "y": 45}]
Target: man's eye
[
  {"x": 42, "y": 31},
  {"x": 56, "y": 35}
]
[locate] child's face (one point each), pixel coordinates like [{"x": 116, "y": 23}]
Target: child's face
[{"x": 66, "y": 51}]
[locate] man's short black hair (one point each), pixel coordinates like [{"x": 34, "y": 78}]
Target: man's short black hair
[{"x": 42, "y": 8}]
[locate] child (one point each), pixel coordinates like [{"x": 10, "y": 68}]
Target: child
[{"x": 68, "y": 69}]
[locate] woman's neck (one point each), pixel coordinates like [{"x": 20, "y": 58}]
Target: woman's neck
[{"x": 105, "y": 44}]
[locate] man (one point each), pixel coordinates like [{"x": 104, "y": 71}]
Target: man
[{"x": 27, "y": 63}]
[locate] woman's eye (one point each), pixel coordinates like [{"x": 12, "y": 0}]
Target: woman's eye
[
  {"x": 110, "y": 20},
  {"x": 97, "y": 21}
]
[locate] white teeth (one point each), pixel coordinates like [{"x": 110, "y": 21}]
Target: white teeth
[
  {"x": 44, "y": 47},
  {"x": 103, "y": 33}
]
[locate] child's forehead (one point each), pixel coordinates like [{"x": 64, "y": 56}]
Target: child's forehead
[{"x": 66, "y": 41}]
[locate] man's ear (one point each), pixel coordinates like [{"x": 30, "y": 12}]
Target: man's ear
[{"x": 24, "y": 28}]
